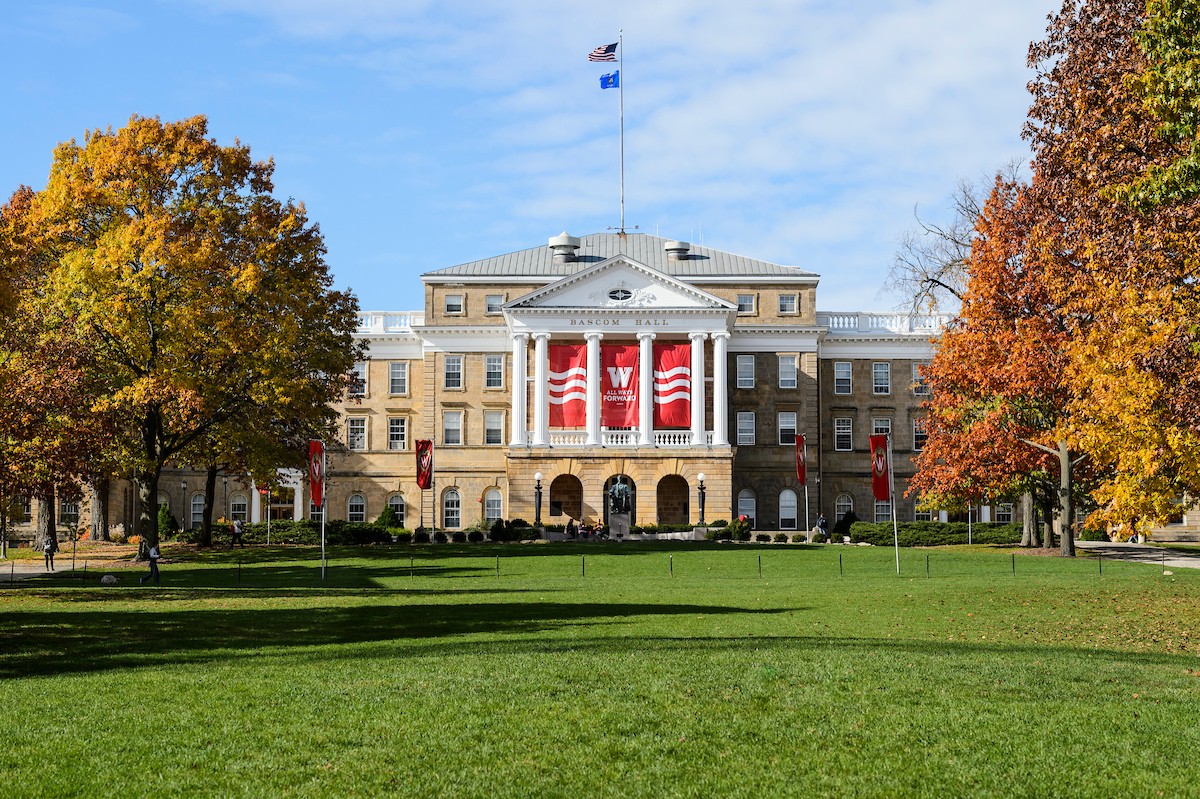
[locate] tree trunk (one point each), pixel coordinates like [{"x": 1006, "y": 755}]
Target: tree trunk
[
  {"x": 147, "y": 520},
  {"x": 210, "y": 489},
  {"x": 1029, "y": 534},
  {"x": 46, "y": 529},
  {"x": 100, "y": 509},
  {"x": 1066, "y": 507},
  {"x": 1047, "y": 512}
]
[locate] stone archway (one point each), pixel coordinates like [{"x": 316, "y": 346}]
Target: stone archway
[
  {"x": 673, "y": 495},
  {"x": 566, "y": 499}
]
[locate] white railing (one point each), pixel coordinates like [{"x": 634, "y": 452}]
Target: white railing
[
  {"x": 662, "y": 439},
  {"x": 898, "y": 323},
  {"x": 389, "y": 321}
]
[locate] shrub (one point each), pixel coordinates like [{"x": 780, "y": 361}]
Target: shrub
[
  {"x": 842, "y": 527},
  {"x": 475, "y": 536},
  {"x": 518, "y": 523},
  {"x": 799, "y": 538},
  {"x": 403, "y": 536},
  {"x": 528, "y": 533},
  {"x": 387, "y": 518},
  {"x": 458, "y": 537},
  {"x": 439, "y": 537},
  {"x": 168, "y": 527},
  {"x": 781, "y": 538},
  {"x": 763, "y": 538},
  {"x": 1092, "y": 534},
  {"x": 739, "y": 530},
  {"x": 932, "y": 534},
  {"x": 420, "y": 536},
  {"x": 719, "y": 523}
]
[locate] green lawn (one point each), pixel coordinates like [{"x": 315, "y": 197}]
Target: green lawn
[{"x": 605, "y": 677}]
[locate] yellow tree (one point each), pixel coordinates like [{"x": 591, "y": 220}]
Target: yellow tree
[{"x": 198, "y": 294}]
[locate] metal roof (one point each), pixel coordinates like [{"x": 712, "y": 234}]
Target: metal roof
[{"x": 699, "y": 262}]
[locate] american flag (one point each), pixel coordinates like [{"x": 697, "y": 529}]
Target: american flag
[{"x": 605, "y": 52}]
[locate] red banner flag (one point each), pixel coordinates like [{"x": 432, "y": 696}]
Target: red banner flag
[
  {"x": 672, "y": 385},
  {"x": 801, "y": 461},
  {"x": 316, "y": 472},
  {"x": 424, "y": 463},
  {"x": 619, "y": 385},
  {"x": 568, "y": 385},
  {"x": 881, "y": 484}
]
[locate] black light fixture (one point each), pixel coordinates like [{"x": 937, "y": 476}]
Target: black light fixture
[
  {"x": 537, "y": 499},
  {"x": 700, "y": 488}
]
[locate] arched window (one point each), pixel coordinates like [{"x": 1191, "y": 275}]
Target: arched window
[
  {"x": 746, "y": 506},
  {"x": 197, "y": 511},
  {"x": 843, "y": 506},
  {"x": 239, "y": 508},
  {"x": 396, "y": 503},
  {"x": 451, "y": 510},
  {"x": 356, "y": 508},
  {"x": 493, "y": 506},
  {"x": 787, "y": 509}
]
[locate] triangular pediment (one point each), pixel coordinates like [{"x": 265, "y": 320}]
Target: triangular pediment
[{"x": 620, "y": 284}]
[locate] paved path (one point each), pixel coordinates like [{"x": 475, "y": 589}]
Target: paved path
[{"x": 1142, "y": 553}]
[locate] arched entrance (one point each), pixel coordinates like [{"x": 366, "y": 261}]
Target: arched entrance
[
  {"x": 566, "y": 498},
  {"x": 606, "y": 500},
  {"x": 673, "y": 507}
]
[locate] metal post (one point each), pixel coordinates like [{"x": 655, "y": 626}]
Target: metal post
[
  {"x": 701, "y": 490},
  {"x": 537, "y": 500}
]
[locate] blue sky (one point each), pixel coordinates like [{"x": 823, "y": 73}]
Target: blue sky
[{"x": 425, "y": 134}]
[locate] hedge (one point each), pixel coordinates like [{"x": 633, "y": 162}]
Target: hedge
[{"x": 932, "y": 534}]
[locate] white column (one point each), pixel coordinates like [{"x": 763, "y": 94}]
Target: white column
[
  {"x": 593, "y": 387},
  {"x": 541, "y": 390},
  {"x": 520, "y": 418},
  {"x": 720, "y": 389},
  {"x": 298, "y": 502},
  {"x": 256, "y": 509},
  {"x": 646, "y": 388},
  {"x": 697, "y": 388}
]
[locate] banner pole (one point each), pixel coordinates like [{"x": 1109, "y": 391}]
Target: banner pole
[
  {"x": 324, "y": 506},
  {"x": 892, "y": 502},
  {"x": 621, "y": 115}
]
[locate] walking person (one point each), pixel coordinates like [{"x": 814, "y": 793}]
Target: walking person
[
  {"x": 48, "y": 548},
  {"x": 823, "y": 527},
  {"x": 153, "y": 575},
  {"x": 237, "y": 534}
]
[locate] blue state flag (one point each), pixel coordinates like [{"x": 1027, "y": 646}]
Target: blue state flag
[{"x": 611, "y": 81}]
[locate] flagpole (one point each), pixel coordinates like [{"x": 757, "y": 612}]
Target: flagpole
[
  {"x": 892, "y": 502},
  {"x": 621, "y": 114},
  {"x": 324, "y": 505}
]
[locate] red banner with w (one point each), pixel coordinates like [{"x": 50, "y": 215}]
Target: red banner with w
[
  {"x": 424, "y": 463},
  {"x": 619, "y": 385},
  {"x": 672, "y": 385},
  {"x": 881, "y": 484},
  {"x": 316, "y": 472},
  {"x": 568, "y": 385},
  {"x": 801, "y": 461}
]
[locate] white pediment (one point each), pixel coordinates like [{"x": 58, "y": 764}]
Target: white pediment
[{"x": 620, "y": 284}]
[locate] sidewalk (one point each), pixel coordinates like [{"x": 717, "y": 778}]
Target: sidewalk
[{"x": 1141, "y": 553}]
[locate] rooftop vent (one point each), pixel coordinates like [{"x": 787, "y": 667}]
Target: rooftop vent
[
  {"x": 564, "y": 247},
  {"x": 677, "y": 250}
]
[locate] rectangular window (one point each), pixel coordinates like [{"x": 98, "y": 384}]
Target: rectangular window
[
  {"x": 454, "y": 304},
  {"x": 745, "y": 371},
  {"x": 922, "y": 515},
  {"x": 315, "y": 512},
  {"x": 745, "y": 303},
  {"x": 787, "y": 428},
  {"x": 452, "y": 428},
  {"x": 919, "y": 435},
  {"x": 452, "y": 510},
  {"x": 494, "y": 302},
  {"x": 841, "y": 377},
  {"x": 787, "y": 304},
  {"x": 397, "y": 432},
  {"x": 356, "y": 433},
  {"x": 745, "y": 427},
  {"x": 398, "y": 377},
  {"x": 787, "y": 371},
  {"x": 1004, "y": 513},
  {"x": 238, "y": 509},
  {"x": 493, "y": 427},
  {"x": 358, "y": 380},
  {"x": 882, "y": 373},
  {"x": 454, "y": 372},
  {"x": 883, "y": 511},
  {"x": 842, "y": 438},
  {"x": 919, "y": 386},
  {"x": 881, "y": 427},
  {"x": 493, "y": 368}
]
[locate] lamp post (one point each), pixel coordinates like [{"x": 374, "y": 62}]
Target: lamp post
[
  {"x": 225, "y": 494},
  {"x": 187, "y": 506},
  {"x": 700, "y": 489},
  {"x": 537, "y": 499}
]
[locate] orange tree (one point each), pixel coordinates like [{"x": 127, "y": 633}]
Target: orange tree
[{"x": 201, "y": 299}]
